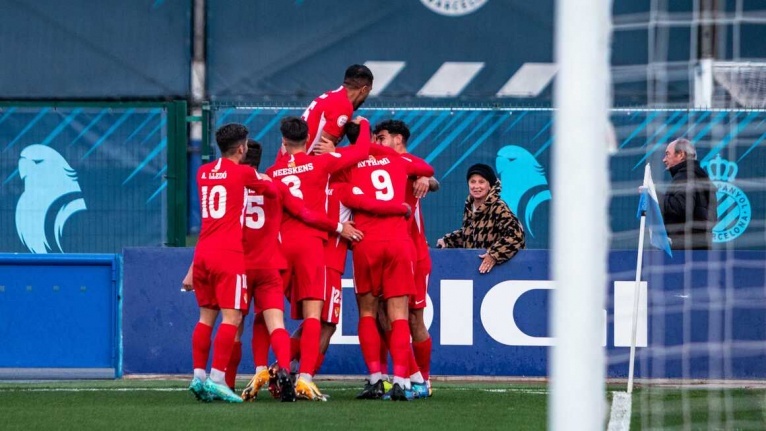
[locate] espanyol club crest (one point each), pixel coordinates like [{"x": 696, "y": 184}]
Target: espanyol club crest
[
  {"x": 453, "y": 7},
  {"x": 734, "y": 211}
]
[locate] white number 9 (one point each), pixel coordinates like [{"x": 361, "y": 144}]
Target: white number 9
[{"x": 381, "y": 180}]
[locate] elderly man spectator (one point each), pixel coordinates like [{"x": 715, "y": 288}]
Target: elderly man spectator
[{"x": 689, "y": 204}]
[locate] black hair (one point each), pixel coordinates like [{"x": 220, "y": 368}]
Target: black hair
[
  {"x": 357, "y": 76},
  {"x": 393, "y": 127},
  {"x": 352, "y": 132},
  {"x": 230, "y": 136},
  {"x": 294, "y": 130},
  {"x": 253, "y": 155}
]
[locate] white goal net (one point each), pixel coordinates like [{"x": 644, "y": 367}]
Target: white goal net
[{"x": 744, "y": 83}]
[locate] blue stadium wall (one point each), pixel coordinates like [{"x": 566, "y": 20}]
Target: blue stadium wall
[{"x": 92, "y": 319}]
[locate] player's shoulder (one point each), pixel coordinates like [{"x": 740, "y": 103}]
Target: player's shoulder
[
  {"x": 411, "y": 158},
  {"x": 337, "y": 98}
]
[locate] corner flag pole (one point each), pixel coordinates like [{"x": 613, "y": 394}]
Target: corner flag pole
[{"x": 637, "y": 290}]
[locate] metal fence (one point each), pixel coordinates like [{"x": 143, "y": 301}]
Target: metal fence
[{"x": 517, "y": 142}]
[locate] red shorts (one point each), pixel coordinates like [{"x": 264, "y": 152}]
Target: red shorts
[
  {"x": 384, "y": 268},
  {"x": 422, "y": 274},
  {"x": 265, "y": 287},
  {"x": 304, "y": 277},
  {"x": 219, "y": 279},
  {"x": 333, "y": 293}
]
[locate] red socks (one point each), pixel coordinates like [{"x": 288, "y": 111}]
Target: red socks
[
  {"x": 223, "y": 345},
  {"x": 295, "y": 347},
  {"x": 201, "y": 345},
  {"x": 231, "y": 368},
  {"x": 280, "y": 343},
  {"x": 310, "y": 345},
  {"x": 369, "y": 341},
  {"x": 384, "y": 356},
  {"x": 400, "y": 347},
  {"x": 413, "y": 363},
  {"x": 422, "y": 351},
  {"x": 320, "y": 360},
  {"x": 260, "y": 343}
]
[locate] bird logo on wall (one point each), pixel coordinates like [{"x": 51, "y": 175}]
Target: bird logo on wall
[
  {"x": 51, "y": 196},
  {"x": 525, "y": 187}
]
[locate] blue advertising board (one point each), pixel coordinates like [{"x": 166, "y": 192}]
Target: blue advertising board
[{"x": 498, "y": 324}]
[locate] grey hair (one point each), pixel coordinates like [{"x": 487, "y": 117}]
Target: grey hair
[{"x": 684, "y": 146}]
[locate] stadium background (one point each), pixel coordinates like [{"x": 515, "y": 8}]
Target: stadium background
[{"x": 110, "y": 86}]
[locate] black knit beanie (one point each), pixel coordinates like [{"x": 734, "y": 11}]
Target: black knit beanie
[{"x": 483, "y": 170}]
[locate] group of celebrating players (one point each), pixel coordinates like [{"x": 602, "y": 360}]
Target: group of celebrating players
[{"x": 286, "y": 233}]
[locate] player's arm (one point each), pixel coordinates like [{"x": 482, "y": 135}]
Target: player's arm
[
  {"x": 353, "y": 153},
  {"x": 297, "y": 208},
  {"x": 187, "y": 283},
  {"x": 422, "y": 185},
  {"x": 417, "y": 167},
  {"x": 260, "y": 184},
  {"x": 354, "y": 198}
]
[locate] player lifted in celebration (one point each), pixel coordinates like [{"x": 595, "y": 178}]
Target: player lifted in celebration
[
  {"x": 218, "y": 270},
  {"x": 327, "y": 115},
  {"x": 307, "y": 178},
  {"x": 394, "y": 134},
  {"x": 383, "y": 266}
]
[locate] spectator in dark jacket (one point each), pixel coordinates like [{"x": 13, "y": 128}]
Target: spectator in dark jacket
[
  {"x": 488, "y": 223},
  {"x": 689, "y": 205}
]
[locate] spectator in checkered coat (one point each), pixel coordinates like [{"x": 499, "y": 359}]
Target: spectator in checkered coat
[{"x": 488, "y": 223}]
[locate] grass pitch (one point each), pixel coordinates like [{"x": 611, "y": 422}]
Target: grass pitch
[
  {"x": 167, "y": 404},
  {"x": 131, "y": 404}
]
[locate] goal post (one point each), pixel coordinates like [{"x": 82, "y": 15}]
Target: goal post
[{"x": 579, "y": 225}]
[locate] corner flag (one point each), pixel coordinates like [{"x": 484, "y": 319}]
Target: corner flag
[{"x": 649, "y": 205}]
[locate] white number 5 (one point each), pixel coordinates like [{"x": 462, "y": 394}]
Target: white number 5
[{"x": 255, "y": 217}]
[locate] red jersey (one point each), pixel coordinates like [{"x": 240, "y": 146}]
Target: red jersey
[
  {"x": 263, "y": 218},
  {"x": 384, "y": 177},
  {"x": 221, "y": 185},
  {"x": 307, "y": 177},
  {"x": 328, "y": 113},
  {"x": 342, "y": 199},
  {"x": 417, "y": 228}
]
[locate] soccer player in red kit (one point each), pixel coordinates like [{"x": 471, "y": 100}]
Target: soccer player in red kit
[
  {"x": 327, "y": 115},
  {"x": 341, "y": 201},
  {"x": 394, "y": 134},
  {"x": 307, "y": 178},
  {"x": 383, "y": 264},
  {"x": 264, "y": 260},
  {"x": 218, "y": 270}
]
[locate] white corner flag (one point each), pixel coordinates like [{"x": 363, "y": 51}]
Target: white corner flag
[{"x": 650, "y": 206}]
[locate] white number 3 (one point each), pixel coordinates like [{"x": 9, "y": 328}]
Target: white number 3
[{"x": 294, "y": 184}]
